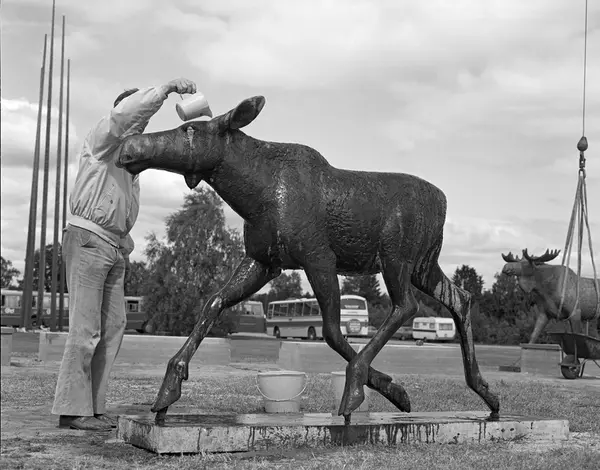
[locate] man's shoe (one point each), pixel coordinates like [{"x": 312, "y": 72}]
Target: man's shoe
[
  {"x": 107, "y": 420},
  {"x": 83, "y": 423}
]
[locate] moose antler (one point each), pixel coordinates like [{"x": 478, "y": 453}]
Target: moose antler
[
  {"x": 548, "y": 256},
  {"x": 510, "y": 258}
]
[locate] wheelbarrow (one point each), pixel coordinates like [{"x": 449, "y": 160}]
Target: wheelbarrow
[{"x": 574, "y": 347}]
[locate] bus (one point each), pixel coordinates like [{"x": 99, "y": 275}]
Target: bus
[
  {"x": 301, "y": 318},
  {"x": 433, "y": 329},
  {"x": 251, "y": 317},
  {"x": 134, "y": 311},
  {"x": 10, "y": 310}
]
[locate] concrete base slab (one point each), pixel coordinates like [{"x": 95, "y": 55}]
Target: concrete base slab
[{"x": 197, "y": 433}]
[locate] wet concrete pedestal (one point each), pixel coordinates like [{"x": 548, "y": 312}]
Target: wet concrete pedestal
[{"x": 196, "y": 433}]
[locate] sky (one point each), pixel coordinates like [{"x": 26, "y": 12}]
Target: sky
[{"x": 483, "y": 98}]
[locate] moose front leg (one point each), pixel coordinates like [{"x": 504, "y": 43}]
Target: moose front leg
[
  {"x": 249, "y": 277},
  {"x": 541, "y": 320}
]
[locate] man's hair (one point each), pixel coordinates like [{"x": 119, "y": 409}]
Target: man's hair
[{"x": 124, "y": 95}]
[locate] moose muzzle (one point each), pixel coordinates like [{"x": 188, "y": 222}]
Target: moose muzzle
[{"x": 158, "y": 151}]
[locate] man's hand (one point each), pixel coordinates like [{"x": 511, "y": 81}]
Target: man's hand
[{"x": 181, "y": 86}]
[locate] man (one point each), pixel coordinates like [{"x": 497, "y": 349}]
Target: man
[{"x": 104, "y": 206}]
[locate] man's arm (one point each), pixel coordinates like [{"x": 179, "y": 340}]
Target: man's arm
[{"x": 131, "y": 116}]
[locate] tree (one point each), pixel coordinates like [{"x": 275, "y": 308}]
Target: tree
[
  {"x": 136, "y": 275},
  {"x": 505, "y": 315},
  {"x": 506, "y": 299},
  {"x": 467, "y": 278},
  {"x": 287, "y": 286},
  {"x": 366, "y": 286},
  {"x": 47, "y": 270},
  {"x": 194, "y": 262},
  {"x": 8, "y": 273}
]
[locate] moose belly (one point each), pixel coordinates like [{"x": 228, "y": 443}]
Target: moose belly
[{"x": 358, "y": 264}]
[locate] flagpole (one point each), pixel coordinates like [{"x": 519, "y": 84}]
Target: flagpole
[
  {"x": 42, "y": 259},
  {"x": 57, "y": 191},
  {"x": 63, "y": 274},
  {"x": 27, "y": 303}
]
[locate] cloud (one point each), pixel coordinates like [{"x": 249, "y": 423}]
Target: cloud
[
  {"x": 482, "y": 98},
  {"x": 480, "y": 242},
  {"x": 107, "y": 11},
  {"x": 80, "y": 44},
  {"x": 16, "y": 192},
  {"x": 313, "y": 44},
  {"x": 19, "y": 124}
]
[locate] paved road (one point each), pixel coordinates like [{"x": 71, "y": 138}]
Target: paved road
[
  {"x": 488, "y": 356},
  {"x": 397, "y": 357},
  {"x": 27, "y": 342}
]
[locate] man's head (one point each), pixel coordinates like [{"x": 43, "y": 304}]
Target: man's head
[{"x": 124, "y": 95}]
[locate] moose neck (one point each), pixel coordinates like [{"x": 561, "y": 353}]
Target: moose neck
[{"x": 243, "y": 174}]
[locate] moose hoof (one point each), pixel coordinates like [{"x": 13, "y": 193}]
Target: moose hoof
[
  {"x": 398, "y": 396},
  {"x": 351, "y": 400},
  {"x": 170, "y": 390},
  {"x": 161, "y": 416}
]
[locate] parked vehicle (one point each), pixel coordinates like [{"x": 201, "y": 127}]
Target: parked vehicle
[
  {"x": 136, "y": 316},
  {"x": 11, "y": 308},
  {"x": 301, "y": 318},
  {"x": 252, "y": 318},
  {"x": 405, "y": 332},
  {"x": 433, "y": 329}
]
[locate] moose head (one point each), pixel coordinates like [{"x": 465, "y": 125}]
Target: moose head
[
  {"x": 525, "y": 268},
  {"x": 192, "y": 149}
]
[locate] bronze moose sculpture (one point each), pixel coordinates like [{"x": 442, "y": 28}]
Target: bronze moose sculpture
[
  {"x": 545, "y": 284},
  {"x": 302, "y": 213}
]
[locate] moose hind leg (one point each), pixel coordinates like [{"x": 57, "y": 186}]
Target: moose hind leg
[
  {"x": 249, "y": 277},
  {"x": 323, "y": 279},
  {"x": 460, "y": 304},
  {"x": 397, "y": 277}
]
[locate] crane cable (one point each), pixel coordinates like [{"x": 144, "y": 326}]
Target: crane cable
[{"x": 580, "y": 210}]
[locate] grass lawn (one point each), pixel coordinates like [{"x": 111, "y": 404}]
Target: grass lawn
[{"x": 235, "y": 390}]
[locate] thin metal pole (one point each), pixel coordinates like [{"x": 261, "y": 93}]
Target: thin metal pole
[
  {"x": 63, "y": 274},
  {"x": 26, "y": 305},
  {"x": 57, "y": 189},
  {"x": 42, "y": 263}
]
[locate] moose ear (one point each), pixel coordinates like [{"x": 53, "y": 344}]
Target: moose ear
[{"x": 245, "y": 112}]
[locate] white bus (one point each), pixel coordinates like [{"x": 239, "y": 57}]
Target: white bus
[
  {"x": 301, "y": 318},
  {"x": 433, "y": 329}
]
